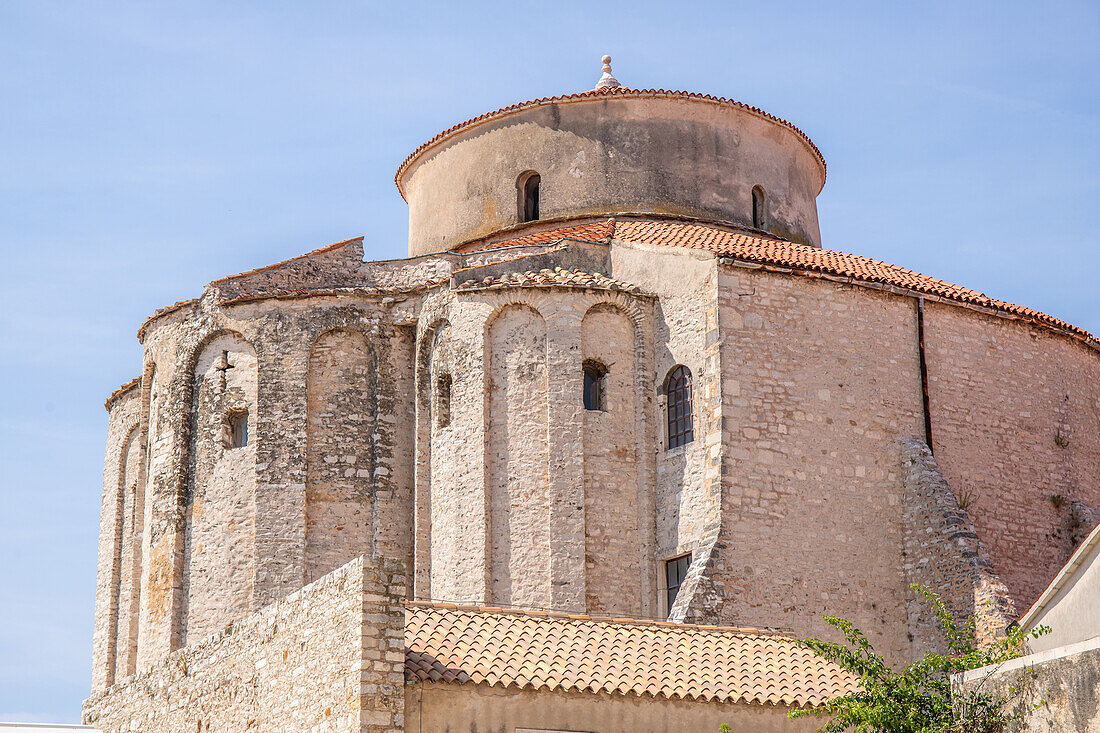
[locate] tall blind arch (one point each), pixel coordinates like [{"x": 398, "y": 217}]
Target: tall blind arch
[{"x": 681, "y": 429}]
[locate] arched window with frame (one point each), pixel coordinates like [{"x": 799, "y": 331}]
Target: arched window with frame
[
  {"x": 681, "y": 429},
  {"x": 527, "y": 185}
]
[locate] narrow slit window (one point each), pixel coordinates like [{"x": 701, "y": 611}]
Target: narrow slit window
[
  {"x": 237, "y": 429},
  {"x": 675, "y": 571},
  {"x": 529, "y": 184},
  {"x": 759, "y": 208},
  {"x": 681, "y": 428},
  {"x": 595, "y": 386},
  {"x": 443, "y": 401}
]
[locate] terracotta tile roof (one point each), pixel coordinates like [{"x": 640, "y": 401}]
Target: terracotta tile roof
[
  {"x": 549, "y": 278},
  {"x": 596, "y": 231},
  {"x": 605, "y": 92},
  {"x": 120, "y": 392},
  {"x": 553, "y": 651},
  {"x": 799, "y": 259},
  {"x": 804, "y": 260}
]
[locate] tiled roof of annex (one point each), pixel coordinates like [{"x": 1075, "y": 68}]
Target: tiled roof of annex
[
  {"x": 756, "y": 249},
  {"x": 576, "y": 653},
  {"x": 604, "y": 92}
]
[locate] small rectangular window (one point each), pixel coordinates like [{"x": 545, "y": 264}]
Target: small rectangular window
[
  {"x": 595, "y": 385},
  {"x": 238, "y": 429},
  {"x": 443, "y": 401},
  {"x": 675, "y": 571}
]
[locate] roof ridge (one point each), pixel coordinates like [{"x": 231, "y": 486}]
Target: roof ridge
[
  {"x": 276, "y": 265},
  {"x": 804, "y": 259},
  {"x": 591, "y": 618}
]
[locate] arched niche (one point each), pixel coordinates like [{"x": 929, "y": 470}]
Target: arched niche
[
  {"x": 341, "y": 455},
  {"x": 517, "y": 457},
  {"x": 613, "y": 500},
  {"x": 219, "y": 518},
  {"x": 126, "y": 589}
]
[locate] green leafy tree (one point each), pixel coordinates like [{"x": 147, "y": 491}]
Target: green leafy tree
[{"x": 917, "y": 698}]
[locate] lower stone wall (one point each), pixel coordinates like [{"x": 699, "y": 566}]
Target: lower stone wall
[
  {"x": 1051, "y": 692},
  {"x": 327, "y": 658},
  {"x": 458, "y": 708},
  {"x": 942, "y": 552}
]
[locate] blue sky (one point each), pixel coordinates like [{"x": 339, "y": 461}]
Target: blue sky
[{"x": 148, "y": 148}]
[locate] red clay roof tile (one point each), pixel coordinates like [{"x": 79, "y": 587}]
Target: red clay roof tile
[
  {"x": 597, "y": 231},
  {"x": 448, "y": 643},
  {"x": 799, "y": 259}
]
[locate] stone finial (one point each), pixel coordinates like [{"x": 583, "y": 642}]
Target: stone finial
[{"x": 607, "y": 81}]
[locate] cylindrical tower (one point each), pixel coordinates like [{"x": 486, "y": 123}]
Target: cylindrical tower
[{"x": 613, "y": 150}]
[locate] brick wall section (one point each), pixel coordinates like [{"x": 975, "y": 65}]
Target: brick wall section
[
  {"x": 942, "y": 552},
  {"x": 327, "y": 658},
  {"x": 1004, "y": 395},
  {"x": 819, "y": 381}
]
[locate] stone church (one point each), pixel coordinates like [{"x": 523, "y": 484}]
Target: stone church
[{"x": 616, "y": 430}]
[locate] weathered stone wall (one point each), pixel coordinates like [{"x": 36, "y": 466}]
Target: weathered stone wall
[
  {"x": 685, "y": 492},
  {"x": 454, "y": 523},
  {"x": 1052, "y": 692},
  {"x": 342, "y": 412},
  {"x": 331, "y": 266},
  {"x": 220, "y": 528},
  {"x": 942, "y": 552},
  {"x": 258, "y": 532},
  {"x": 614, "y": 488},
  {"x": 819, "y": 382},
  {"x": 128, "y": 539},
  {"x": 327, "y": 658},
  {"x": 518, "y": 458},
  {"x": 802, "y": 389},
  {"x": 1015, "y": 410},
  {"x": 501, "y": 490}
]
